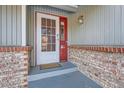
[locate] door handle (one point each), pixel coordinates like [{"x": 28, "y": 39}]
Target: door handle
[
  {"x": 57, "y": 36},
  {"x": 62, "y": 46}
]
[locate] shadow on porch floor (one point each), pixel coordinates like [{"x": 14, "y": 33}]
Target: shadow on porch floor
[{"x": 74, "y": 79}]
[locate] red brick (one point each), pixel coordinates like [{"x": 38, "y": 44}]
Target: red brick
[
  {"x": 110, "y": 49},
  {"x": 26, "y": 58},
  {"x": 122, "y": 50},
  {"x": 9, "y": 49},
  {"x": 114, "y": 62},
  {"x": 119, "y": 50},
  {"x": 106, "y": 49}
]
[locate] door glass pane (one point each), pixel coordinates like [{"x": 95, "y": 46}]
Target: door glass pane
[
  {"x": 44, "y": 32},
  {"x": 49, "y": 47},
  {"x": 53, "y": 31},
  {"x": 44, "y": 48},
  {"x": 53, "y": 39},
  {"x": 44, "y": 39},
  {"x": 53, "y": 47},
  {"x": 43, "y": 21},
  {"x": 62, "y": 31},
  {"x": 48, "y": 22},
  {"x": 48, "y": 35},
  {"x": 49, "y": 31},
  {"x": 53, "y": 23},
  {"x": 44, "y": 42},
  {"x": 49, "y": 39}
]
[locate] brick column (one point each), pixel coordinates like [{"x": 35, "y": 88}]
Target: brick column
[{"x": 14, "y": 66}]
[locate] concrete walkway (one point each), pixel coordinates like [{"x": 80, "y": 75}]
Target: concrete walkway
[{"x": 71, "y": 80}]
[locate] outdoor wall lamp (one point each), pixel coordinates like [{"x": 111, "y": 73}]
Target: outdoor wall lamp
[{"x": 80, "y": 19}]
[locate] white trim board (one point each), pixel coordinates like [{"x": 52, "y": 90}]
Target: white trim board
[
  {"x": 23, "y": 25},
  {"x": 50, "y": 74}
]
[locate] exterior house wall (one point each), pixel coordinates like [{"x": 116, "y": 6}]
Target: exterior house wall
[
  {"x": 10, "y": 25},
  {"x": 103, "y": 64},
  {"x": 103, "y": 25},
  {"x": 31, "y": 23},
  {"x": 96, "y": 46},
  {"x": 14, "y": 66},
  {"x": 14, "y": 54}
]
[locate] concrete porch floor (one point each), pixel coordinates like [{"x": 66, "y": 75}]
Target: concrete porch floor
[{"x": 72, "y": 79}]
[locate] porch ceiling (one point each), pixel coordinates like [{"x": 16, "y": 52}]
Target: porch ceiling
[{"x": 68, "y": 8}]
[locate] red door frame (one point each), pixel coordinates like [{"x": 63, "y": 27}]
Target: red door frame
[{"x": 64, "y": 51}]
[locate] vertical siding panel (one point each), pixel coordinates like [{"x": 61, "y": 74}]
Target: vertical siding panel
[
  {"x": 18, "y": 34},
  {"x": 28, "y": 21},
  {"x": 88, "y": 29},
  {"x": 96, "y": 25},
  {"x": 111, "y": 21},
  {"x": 4, "y": 25},
  {"x": 27, "y": 25},
  {"x": 120, "y": 24},
  {"x": 99, "y": 25},
  {"x": 32, "y": 34},
  {"x": 9, "y": 33},
  {"x": 32, "y": 23},
  {"x": 117, "y": 25},
  {"x": 120, "y": 19},
  {"x": 102, "y": 25},
  {"x": 85, "y": 22},
  {"x": 103, "y": 29},
  {"x": 107, "y": 29},
  {"x": 31, "y": 27},
  {"x": 101, "y": 34},
  {"x": 122, "y": 32},
  {"x": 98, "y": 40},
  {"x": 14, "y": 26},
  {"x": 0, "y": 25}
]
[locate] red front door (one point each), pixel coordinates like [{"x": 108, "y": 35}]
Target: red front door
[{"x": 63, "y": 39}]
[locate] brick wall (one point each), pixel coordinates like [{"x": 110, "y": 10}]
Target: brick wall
[
  {"x": 14, "y": 66},
  {"x": 105, "y": 65}
]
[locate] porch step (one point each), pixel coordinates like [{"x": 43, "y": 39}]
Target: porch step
[{"x": 66, "y": 68}]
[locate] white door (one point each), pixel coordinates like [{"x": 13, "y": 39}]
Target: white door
[{"x": 47, "y": 39}]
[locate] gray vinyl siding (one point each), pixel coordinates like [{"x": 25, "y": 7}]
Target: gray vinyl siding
[
  {"x": 4, "y": 31},
  {"x": 31, "y": 23},
  {"x": 10, "y": 25},
  {"x": 122, "y": 26},
  {"x": 103, "y": 25},
  {"x": 14, "y": 32},
  {"x": 0, "y": 25},
  {"x": 19, "y": 26}
]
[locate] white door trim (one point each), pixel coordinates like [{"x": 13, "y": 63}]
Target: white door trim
[{"x": 47, "y": 57}]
